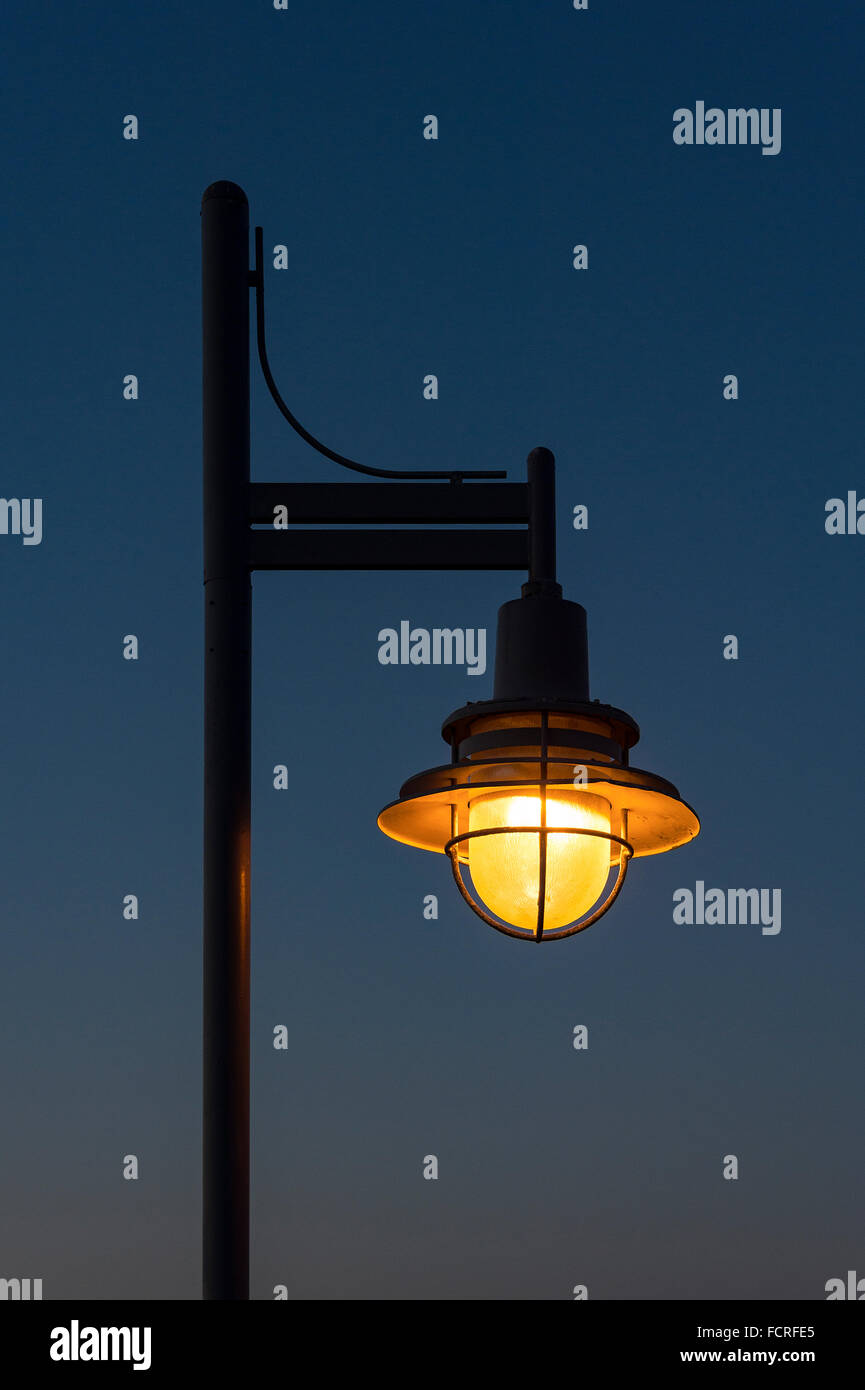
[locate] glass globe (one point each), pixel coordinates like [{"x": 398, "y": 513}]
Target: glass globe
[{"x": 505, "y": 868}]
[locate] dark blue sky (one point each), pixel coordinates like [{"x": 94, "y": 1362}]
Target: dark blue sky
[{"x": 706, "y": 517}]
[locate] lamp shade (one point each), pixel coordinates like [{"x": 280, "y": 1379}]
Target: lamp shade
[{"x": 539, "y": 804}]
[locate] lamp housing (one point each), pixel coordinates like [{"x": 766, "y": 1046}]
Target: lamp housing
[{"x": 543, "y": 772}]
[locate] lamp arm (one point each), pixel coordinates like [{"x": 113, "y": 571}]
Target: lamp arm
[{"x": 257, "y": 280}]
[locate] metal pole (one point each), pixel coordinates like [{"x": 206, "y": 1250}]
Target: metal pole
[{"x": 227, "y": 699}]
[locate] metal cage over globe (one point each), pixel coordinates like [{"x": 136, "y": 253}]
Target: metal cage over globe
[{"x": 566, "y": 763}]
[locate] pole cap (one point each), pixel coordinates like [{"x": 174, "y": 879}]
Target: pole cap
[{"x": 224, "y": 188}]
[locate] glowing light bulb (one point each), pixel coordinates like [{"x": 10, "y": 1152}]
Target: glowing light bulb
[{"x": 505, "y": 868}]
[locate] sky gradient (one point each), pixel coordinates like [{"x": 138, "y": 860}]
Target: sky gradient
[{"x": 706, "y": 517}]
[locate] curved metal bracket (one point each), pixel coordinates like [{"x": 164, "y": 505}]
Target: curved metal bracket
[{"x": 257, "y": 281}]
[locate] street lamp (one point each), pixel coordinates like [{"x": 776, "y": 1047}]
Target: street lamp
[{"x": 538, "y": 802}]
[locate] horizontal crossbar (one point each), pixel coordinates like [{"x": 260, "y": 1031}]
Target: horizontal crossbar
[
  {"x": 359, "y": 503},
  {"x": 388, "y": 550}
]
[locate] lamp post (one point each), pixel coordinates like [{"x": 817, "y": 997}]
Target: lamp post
[
  {"x": 227, "y": 701},
  {"x": 538, "y": 801}
]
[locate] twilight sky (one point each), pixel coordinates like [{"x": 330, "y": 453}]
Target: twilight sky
[{"x": 706, "y": 518}]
